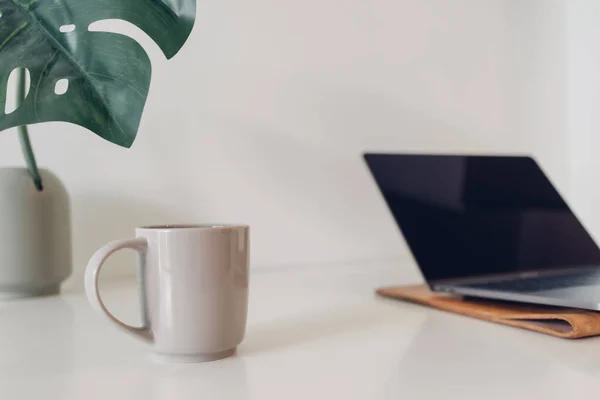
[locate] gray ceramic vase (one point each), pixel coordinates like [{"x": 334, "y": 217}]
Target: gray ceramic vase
[{"x": 35, "y": 234}]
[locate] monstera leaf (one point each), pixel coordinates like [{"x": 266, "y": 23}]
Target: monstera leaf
[{"x": 108, "y": 74}]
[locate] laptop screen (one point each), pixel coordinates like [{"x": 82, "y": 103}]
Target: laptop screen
[{"x": 466, "y": 216}]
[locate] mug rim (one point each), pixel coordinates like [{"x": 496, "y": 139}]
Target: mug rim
[{"x": 184, "y": 227}]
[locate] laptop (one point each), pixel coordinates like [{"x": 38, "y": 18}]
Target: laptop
[{"x": 491, "y": 227}]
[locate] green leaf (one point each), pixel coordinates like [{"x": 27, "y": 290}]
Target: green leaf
[{"x": 108, "y": 74}]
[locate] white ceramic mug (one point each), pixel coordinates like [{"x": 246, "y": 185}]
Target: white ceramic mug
[{"x": 193, "y": 282}]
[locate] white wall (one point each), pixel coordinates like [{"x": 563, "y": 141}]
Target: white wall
[
  {"x": 583, "y": 33},
  {"x": 267, "y": 109}
]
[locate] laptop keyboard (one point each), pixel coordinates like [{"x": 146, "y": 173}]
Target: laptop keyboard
[{"x": 537, "y": 284}]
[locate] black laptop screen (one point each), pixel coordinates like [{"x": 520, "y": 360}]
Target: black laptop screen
[{"x": 464, "y": 216}]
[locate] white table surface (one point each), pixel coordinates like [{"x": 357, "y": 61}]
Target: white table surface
[{"x": 314, "y": 332}]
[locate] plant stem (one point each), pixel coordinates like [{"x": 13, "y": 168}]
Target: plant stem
[{"x": 24, "y": 135}]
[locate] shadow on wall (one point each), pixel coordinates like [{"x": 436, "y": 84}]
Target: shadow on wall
[
  {"x": 98, "y": 219},
  {"x": 306, "y": 167}
]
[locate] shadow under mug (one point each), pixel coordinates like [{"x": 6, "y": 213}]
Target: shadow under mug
[{"x": 193, "y": 284}]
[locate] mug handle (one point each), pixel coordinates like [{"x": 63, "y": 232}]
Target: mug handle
[{"x": 92, "y": 273}]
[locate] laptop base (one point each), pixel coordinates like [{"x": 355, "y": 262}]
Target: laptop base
[{"x": 584, "y": 297}]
